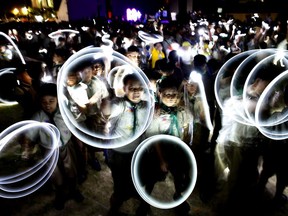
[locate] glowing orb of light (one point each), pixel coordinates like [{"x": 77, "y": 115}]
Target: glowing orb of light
[
  {"x": 28, "y": 156},
  {"x": 58, "y": 33},
  {"x": 150, "y": 38},
  {"x": 15, "y": 46},
  {"x": 85, "y": 58},
  {"x": 180, "y": 162},
  {"x": 253, "y": 84},
  {"x": 271, "y": 114}
]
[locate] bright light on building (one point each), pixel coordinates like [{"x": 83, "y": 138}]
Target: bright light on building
[
  {"x": 39, "y": 18},
  {"x": 173, "y": 16},
  {"x": 133, "y": 14},
  {"x": 24, "y": 11},
  {"x": 15, "y": 11}
]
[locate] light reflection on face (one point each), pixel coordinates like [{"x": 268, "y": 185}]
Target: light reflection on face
[
  {"x": 134, "y": 57},
  {"x": 192, "y": 88},
  {"x": 169, "y": 97},
  {"x": 72, "y": 80},
  {"x": 254, "y": 91},
  {"x": 98, "y": 70},
  {"x": 134, "y": 91}
]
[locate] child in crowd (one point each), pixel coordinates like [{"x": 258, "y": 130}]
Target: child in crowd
[
  {"x": 64, "y": 177},
  {"x": 77, "y": 96},
  {"x": 126, "y": 120},
  {"x": 96, "y": 108},
  {"x": 172, "y": 119}
]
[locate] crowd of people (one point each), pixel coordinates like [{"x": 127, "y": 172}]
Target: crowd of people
[{"x": 181, "y": 68}]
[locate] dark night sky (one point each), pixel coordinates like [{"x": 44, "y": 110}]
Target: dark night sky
[
  {"x": 82, "y": 8},
  {"x": 89, "y": 7}
]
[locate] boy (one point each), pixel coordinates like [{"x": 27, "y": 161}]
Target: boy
[
  {"x": 171, "y": 119},
  {"x": 126, "y": 120},
  {"x": 64, "y": 176}
]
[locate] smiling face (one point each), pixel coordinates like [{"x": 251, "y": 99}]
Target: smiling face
[{"x": 134, "y": 90}]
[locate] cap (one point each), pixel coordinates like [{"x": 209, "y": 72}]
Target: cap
[{"x": 186, "y": 44}]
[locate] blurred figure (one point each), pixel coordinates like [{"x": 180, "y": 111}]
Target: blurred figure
[
  {"x": 274, "y": 151},
  {"x": 64, "y": 176},
  {"x": 186, "y": 57},
  {"x": 156, "y": 53},
  {"x": 25, "y": 92},
  {"x": 133, "y": 54},
  {"x": 60, "y": 55},
  {"x": 239, "y": 145},
  {"x": 97, "y": 109}
]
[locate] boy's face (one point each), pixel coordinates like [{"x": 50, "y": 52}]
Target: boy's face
[
  {"x": 49, "y": 103},
  {"x": 87, "y": 74},
  {"x": 134, "y": 57},
  {"x": 134, "y": 91},
  {"x": 169, "y": 97},
  {"x": 72, "y": 80},
  {"x": 98, "y": 69}
]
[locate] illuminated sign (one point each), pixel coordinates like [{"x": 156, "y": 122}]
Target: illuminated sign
[{"x": 133, "y": 14}]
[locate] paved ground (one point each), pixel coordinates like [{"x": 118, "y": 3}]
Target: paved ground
[{"x": 98, "y": 188}]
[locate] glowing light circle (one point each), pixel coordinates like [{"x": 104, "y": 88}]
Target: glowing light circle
[
  {"x": 59, "y": 32},
  {"x": 27, "y": 176},
  {"x": 275, "y": 123},
  {"x": 257, "y": 70},
  {"x": 222, "y": 87},
  {"x": 15, "y": 46},
  {"x": 80, "y": 60},
  {"x": 135, "y": 167},
  {"x": 238, "y": 83},
  {"x": 150, "y": 38}
]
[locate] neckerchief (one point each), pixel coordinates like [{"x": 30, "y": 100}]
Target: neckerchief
[{"x": 174, "y": 121}]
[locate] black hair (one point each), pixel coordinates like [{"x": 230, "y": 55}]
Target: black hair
[
  {"x": 199, "y": 60},
  {"x": 270, "y": 71},
  {"x": 62, "y": 52},
  {"x": 48, "y": 89},
  {"x": 165, "y": 66},
  {"x": 132, "y": 48},
  {"x": 98, "y": 61},
  {"x": 20, "y": 68},
  {"x": 129, "y": 77},
  {"x": 286, "y": 94},
  {"x": 173, "y": 57},
  {"x": 168, "y": 82}
]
